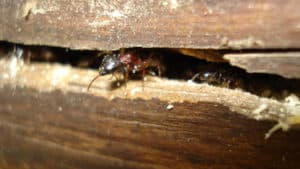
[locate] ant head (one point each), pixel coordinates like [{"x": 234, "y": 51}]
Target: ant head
[{"x": 110, "y": 63}]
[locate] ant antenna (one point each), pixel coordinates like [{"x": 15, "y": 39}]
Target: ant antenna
[
  {"x": 195, "y": 76},
  {"x": 90, "y": 84}
]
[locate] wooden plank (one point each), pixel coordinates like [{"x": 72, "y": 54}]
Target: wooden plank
[
  {"x": 107, "y": 25},
  {"x": 62, "y": 129},
  {"x": 286, "y": 64},
  {"x": 49, "y": 120},
  {"x": 47, "y": 77}
]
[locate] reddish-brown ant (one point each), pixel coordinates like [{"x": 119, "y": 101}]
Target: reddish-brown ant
[{"x": 129, "y": 62}]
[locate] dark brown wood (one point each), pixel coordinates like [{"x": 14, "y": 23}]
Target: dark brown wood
[
  {"x": 49, "y": 120},
  {"x": 107, "y": 25},
  {"x": 286, "y": 64},
  {"x": 72, "y": 130}
]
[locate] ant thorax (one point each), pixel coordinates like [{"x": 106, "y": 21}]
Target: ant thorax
[{"x": 131, "y": 62}]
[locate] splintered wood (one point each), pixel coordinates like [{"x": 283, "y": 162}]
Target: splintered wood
[
  {"x": 49, "y": 120},
  {"x": 46, "y": 77}
]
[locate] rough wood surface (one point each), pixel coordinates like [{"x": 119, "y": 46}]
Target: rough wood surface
[
  {"x": 49, "y": 77},
  {"x": 62, "y": 129},
  {"x": 106, "y": 25},
  {"x": 286, "y": 64},
  {"x": 49, "y": 120}
]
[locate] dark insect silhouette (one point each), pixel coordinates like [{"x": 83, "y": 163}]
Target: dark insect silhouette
[
  {"x": 131, "y": 62},
  {"x": 219, "y": 75}
]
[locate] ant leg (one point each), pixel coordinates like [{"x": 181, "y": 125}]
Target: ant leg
[
  {"x": 195, "y": 76},
  {"x": 126, "y": 75},
  {"x": 157, "y": 63},
  {"x": 113, "y": 76},
  {"x": 143, "y": 77},
  {"x": 159, "y": 70},
  {"x": 90, "y": 84},
  {"x": 144, "y": 70},
  {"x": 28, "y": 57}
]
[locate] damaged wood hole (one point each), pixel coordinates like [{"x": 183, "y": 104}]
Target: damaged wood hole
[{"x": 205, "y": 66}]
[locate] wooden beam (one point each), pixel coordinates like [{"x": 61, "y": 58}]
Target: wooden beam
[
  {"x": 107, "y": 25},
  {"x": 60, "y": 129}
]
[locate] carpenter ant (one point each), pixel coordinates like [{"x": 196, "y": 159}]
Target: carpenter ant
[
  {"x": 129, "y": 62},
  {"x": 220, "y": 75}
]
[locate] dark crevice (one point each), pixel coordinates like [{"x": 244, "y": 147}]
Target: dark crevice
[{"x": 176, "y": 66}]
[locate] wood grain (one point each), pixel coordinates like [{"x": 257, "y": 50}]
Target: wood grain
[
  {"x": 72, "y": 130},
  {"x": 47, "y": 77},
  {"x": 107, "y": 25},
  {"x": 286, "y": 64}
]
